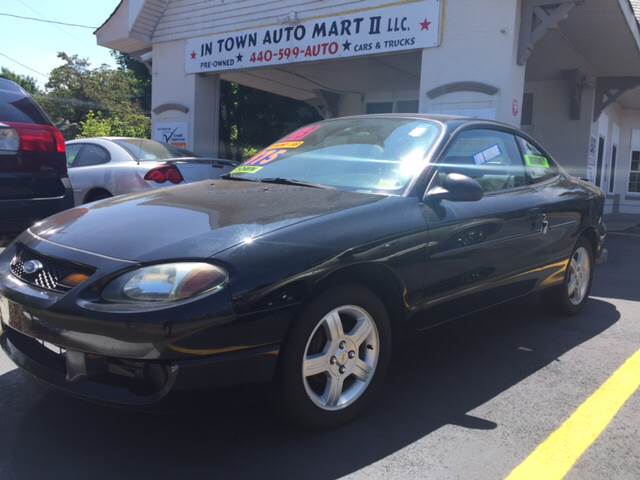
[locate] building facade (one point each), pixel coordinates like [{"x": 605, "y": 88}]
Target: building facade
[{"x": 567, "y": 71}]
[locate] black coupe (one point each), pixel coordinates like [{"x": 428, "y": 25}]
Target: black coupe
[{"x": 300, "y": 265}]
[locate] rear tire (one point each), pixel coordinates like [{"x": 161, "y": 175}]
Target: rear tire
[
  {"x": 97, "y": 195},
  {"x": 571, "y": 297},
  {"x": 335, "y": 359}
]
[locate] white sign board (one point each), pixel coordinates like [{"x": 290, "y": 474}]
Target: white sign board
[
  {"x": 395, "y": 28},
  {"x": 173, "y": 133}
]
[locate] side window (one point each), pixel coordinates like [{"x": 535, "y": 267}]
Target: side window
[
  {"x": 72, "y": 153},
  {"x": 91, "y": 155},
  {"x": 539, "y": 166},
  {"x": 489, "y": 156}
]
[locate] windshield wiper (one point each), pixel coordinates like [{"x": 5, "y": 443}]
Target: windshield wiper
[
  {"x": 227, "y": 176},
  {"x": 288, "y": 181}
]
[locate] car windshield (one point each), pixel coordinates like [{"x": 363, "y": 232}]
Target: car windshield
[
  {"x": 143, "y": 150},
  {"x": 358, "y": 154}
]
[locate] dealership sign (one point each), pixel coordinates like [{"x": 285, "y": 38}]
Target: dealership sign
[{"x": 400, "y": 27}]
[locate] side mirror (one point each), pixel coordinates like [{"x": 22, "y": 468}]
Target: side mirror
[{"x": 456, "y": 188}]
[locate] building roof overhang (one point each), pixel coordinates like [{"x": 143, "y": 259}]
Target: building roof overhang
[{"x": 598, "y": 38}]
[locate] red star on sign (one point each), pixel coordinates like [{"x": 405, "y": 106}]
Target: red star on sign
[
  {"x": 193, "y": 55},
  {"x": 425, "y": 25}
]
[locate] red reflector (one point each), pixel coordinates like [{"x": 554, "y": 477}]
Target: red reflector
[
  {"x": 173, "y": 175},
  {"x": 156, "y": 175},
  {"x": 164, "y": 173},
  {"x": 61, "y": 147}
]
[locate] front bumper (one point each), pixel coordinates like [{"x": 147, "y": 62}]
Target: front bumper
[
  {"x": 131, "y": 357},
  {"x": 134, "y": 383}
]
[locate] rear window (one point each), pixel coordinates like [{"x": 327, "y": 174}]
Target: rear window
[
  {"x": 17, "y": 106},
  {"x": 149, "y": 150}
]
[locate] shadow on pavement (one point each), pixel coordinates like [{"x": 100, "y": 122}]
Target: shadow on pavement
[
  {"x": 616, "y": 278},
  {"x": 435, "y": 380}
]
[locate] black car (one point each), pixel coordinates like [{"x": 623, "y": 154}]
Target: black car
[
  {"x": 33, "y": 166},
  {"x": 300, "y": 265}
]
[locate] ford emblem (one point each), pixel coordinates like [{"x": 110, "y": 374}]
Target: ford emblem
[{"x": 32, "y": 266}]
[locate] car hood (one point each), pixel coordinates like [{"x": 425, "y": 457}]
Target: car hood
[{"x": 196, "y": 220}]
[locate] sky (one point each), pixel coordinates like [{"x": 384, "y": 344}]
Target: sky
[{"x": 35, "y": 44}]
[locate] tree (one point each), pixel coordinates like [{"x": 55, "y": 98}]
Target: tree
[
  {"x": 140, "y": 75},
  {"x": 75, "y": 89},
  {"x": 25, "y": 81}
]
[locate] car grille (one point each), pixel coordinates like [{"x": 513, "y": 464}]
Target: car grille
[{"x": 52, "y": 273}]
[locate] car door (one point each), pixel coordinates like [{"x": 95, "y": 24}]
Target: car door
[
  {"x": 86, "y": 168},
  {"x": 558, "y": 202},
  {"x": 479, "y": 251}
]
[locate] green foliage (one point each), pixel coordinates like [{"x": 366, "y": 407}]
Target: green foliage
[
  {"x": 26, "y": 82},
  {"x": 130, "y": 125},
  {"x": 140, "y": 78},
  {"x": 248, "y": 152},
  {"x": 113, "y": 96}
]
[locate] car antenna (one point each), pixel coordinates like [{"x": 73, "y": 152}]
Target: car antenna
[{"x": 139, "y": 150}]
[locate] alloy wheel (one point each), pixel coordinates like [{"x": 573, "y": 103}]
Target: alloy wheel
[
  {"x": 579, "y": 276},
  {"x": 340, "y": 357}
]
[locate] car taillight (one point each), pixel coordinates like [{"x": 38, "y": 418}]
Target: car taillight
[
  {"x": 32, "y": 137},
  {"x": 165, "y": 173}
]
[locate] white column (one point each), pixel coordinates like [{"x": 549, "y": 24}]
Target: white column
[
  {"x": 198, "y": 94},
  {"x": 205, "y": 116},
  {"x": 479, "y": 44}
]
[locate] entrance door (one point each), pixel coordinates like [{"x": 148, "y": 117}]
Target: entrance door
[
  {"x": 612, "y": 174},
  {"x": 600, "y": 161}
]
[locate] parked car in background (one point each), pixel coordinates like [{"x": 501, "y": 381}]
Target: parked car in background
[
  {"x": 300, "y": 264},
  {"x": 102, "y": 167},
  {"x": 33, "y": 167}
]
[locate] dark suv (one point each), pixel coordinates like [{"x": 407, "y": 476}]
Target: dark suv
[{"x": 33, "y": 165}]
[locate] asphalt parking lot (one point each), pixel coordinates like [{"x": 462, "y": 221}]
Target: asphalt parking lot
[{"x": 471, "y": 399}]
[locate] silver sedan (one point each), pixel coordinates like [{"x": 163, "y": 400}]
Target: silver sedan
[{"x": 103, "y": 167}]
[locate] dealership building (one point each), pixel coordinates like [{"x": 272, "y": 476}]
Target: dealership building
[{"x": 566, "y": 71}]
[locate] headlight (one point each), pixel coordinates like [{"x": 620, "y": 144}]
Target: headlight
[{"x": 165, "y": 283}]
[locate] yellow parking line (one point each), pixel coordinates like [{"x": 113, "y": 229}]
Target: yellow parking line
[{"x": 554, "y": 457}]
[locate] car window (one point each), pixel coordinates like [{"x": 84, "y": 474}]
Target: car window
[
  {"x": 539, "y": 166},
  {"x": 149, "y": 150},
  {"x": 91, "y": 155},
  {"x": 491, "y": 157},
  {"x": 16, "y": 106},
  {"x": 356, "y": 154},
  {"x": 72, "y": 153}
]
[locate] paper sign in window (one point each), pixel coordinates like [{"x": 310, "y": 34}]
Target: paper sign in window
[{"x": 487, "y": 155}]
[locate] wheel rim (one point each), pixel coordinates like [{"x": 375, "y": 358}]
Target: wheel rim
[
  {"x": 340, "y": 357},
  {"x": 579, "y": 276}
]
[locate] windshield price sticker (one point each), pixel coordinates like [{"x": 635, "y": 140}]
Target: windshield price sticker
[
  {"x": 266, "y": 156},
  {"x": 242, "y": 169},
  {"x": 301, "y": 133},
  {"x": 400, "y": 27},
  {"x": 536, "y": 161},
  {"x": 487, "y": 155},
  {"x": 286, "y": 145}
]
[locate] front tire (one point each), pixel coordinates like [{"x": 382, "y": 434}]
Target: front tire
[
  {"x": 571, "y": 297},
  {"x": 335, "y": 359}
]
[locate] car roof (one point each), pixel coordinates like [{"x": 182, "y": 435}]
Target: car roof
[{"x": 451, "y": 121}]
